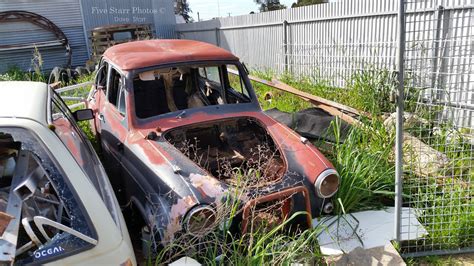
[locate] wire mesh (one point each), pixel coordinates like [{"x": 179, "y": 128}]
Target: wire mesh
[{"x": 438, "y": 141}]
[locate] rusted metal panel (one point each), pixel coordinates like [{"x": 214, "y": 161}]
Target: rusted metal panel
[
  {"x": 281, "y": 195},
  {"x": 157, "y": 52}
]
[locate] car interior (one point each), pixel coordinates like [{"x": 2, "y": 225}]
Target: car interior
[
  {"x": 167, "y": 90},
  {"x": 33, "y": 212}
]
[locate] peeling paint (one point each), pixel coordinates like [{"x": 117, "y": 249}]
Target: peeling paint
[
  {"x": 208, "y": 186},
  {"x": 177, "y": 213}
]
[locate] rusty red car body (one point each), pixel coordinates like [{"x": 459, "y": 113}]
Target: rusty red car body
[{"x": 162, "y": 182}]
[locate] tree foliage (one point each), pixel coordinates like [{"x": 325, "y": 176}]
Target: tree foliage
[
  {"x": 269, "y": 5},
  {"x": 182, "y": 8},
  {"x": 307, "y": 2}
]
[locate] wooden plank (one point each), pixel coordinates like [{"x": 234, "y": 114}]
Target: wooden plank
[
  {"x": 344, "y": 112},
  {"x": 336, "y": 112},
  {"x": 285, "y": 87}
]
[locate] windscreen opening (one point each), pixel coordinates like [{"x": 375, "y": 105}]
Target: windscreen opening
[{"x": 165, "y": 90}]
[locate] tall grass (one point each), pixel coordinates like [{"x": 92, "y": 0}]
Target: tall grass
[
  {"x": 365, "y": 159},
  {"x": 16, "y": 74},
  {"x": 35, "y": 73},
  {"x": 363, "y": 162},
  {"x": 367, "y": 90},
  {"x": 258, "y": 247}
]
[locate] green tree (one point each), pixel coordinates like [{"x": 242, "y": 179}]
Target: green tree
[
  {"x": 269, "y": 5},
  {"x": 182, "y": 8},
  {"x": 308, "y": 2}
]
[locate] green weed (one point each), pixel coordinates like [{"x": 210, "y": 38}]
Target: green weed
[{"x": 363, "y": 162}]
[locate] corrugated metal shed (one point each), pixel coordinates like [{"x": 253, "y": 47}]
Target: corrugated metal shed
[
  {"x": 65, "y": 14},
  {"x": 76, "y": 18},
  {"x": 157, "y": 13}
]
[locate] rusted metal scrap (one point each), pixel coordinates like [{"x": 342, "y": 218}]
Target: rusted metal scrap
[
  {"x": 5, "y": 219},
  {"x": 40, "y": 21}
]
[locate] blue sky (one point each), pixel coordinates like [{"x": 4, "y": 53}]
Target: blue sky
[{"x": 208, "y": 8}]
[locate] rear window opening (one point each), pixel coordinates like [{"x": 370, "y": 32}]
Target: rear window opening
[
  {"x": 38, "y": 211},
  {"x": 165, "y": 90}
]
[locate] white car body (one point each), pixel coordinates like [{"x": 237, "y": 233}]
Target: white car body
[{"x": 27, "y": 105}]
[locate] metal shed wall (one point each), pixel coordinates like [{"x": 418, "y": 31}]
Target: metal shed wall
[
  {"x": 65, "y": 14},
  {"x": 76, "y": 18},
  {"x": 158, "y": 13}
]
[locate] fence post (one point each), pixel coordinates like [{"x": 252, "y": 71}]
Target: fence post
[
  {"x": 399, "y": 129},
  {"x": 218, "y": 39},
  {"x": 443, "y": 56},
  {"x": 285, "y": 44},
  {"x": 436, "y": 43}
]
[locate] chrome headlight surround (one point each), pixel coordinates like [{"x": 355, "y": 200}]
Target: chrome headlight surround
[
  {"x": 328, "y": 180},
  {"x": 204, "y": 214}
]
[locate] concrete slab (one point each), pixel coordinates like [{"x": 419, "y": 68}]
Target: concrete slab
[
  {"x": 367, "y": 230},
  {"x": 185, "y": 261}
]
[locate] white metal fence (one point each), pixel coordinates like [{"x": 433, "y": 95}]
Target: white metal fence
[{"x": 327, "y": 41}]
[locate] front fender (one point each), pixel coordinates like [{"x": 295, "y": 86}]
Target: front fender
[{"x": 157, "y": 216}]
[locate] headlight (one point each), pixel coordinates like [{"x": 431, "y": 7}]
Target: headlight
[
  {"x": 200, "y": 220},
  {"x": 327, "y": 183}
]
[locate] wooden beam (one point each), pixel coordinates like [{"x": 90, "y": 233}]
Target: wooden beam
[
  {"x": 344, "y": 112},
  {"x": 336, "y": 112},
  {"x": 285, "y": 87}
]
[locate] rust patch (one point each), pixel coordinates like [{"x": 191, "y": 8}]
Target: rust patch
[
  {"x": 178, "y": 210},
  {"x": 284, "y": 195},
  {"x": 5, "y": 219},
  {"x": 208, "y": 186}
]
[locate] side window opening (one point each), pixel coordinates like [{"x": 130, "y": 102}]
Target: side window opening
[
  {"x": 101, "y": 78},
  {"x": 32, "y": 180},
  {"x": 70, "y": 134},
  {"x": 210, "y": 73},
  {"x": 121, "y": 101},
  {"x": 236, "y": 85},
  {"x": 114, "y": 86}
]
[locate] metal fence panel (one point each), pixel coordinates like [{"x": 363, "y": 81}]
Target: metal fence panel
[
  {"x": 438, "y": 178},
  {"x": 327, "y": 41}
]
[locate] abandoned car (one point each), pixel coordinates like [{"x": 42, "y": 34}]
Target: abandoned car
[
  {"x": 56, "y": 202},
  {"x": 180, "y": 132}
]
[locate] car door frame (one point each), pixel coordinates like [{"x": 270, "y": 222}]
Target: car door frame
[
  {"x": 98, "y": 178},
  {"x": 96, "y": 97},
  {"x": 114, "y": 125}
]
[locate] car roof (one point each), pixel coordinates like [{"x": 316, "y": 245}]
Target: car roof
[
  {"x": 24, "y": 99},
  {"x": 141, "y": 54}
]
